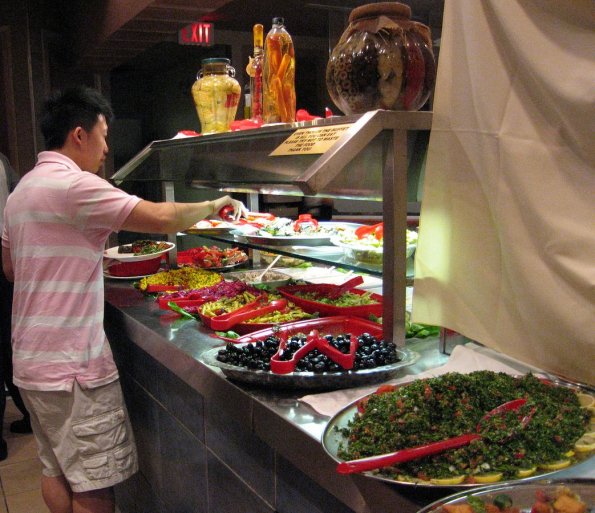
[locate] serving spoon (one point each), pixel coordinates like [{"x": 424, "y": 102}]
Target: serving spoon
[
  {"x": 269, "y": 267},
  {"x": 392, "y": 458}
]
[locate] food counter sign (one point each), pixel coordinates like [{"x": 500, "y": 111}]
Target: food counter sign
[
  {"x": 199, "y": 34},
  {"x": 310, "y": 140}
]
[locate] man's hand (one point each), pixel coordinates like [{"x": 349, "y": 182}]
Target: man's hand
[{"x": 238, "y": 208}]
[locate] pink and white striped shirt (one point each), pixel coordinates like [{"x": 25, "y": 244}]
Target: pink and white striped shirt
[{"x": 57, "y": 221}]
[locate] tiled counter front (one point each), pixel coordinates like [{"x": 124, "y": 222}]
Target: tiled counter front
[{"x": 207, "y": 445}]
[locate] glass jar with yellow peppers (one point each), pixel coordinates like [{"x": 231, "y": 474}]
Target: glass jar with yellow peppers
[
  {"x": 216, "y": 95},
  {"x": 279, "y": 75}
]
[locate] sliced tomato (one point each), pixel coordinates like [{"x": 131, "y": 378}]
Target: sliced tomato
[
  {"x": 383, "y": 389},
  {"x": 361, "y": 404}
]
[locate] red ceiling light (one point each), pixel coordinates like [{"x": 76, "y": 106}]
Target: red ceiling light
[{"x": 199, "y": 34}]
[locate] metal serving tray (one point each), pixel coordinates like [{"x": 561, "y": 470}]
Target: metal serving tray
[{"x": 332, "y": 438}]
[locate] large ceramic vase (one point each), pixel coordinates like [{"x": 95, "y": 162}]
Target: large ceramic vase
[{"x": 384, "y": 60}]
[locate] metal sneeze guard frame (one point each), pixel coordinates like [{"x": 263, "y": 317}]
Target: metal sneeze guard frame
[{"x": 314, "y": 180}]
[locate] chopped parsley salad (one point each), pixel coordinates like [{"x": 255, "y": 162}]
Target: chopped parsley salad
[{"x": 434, "y": 409}]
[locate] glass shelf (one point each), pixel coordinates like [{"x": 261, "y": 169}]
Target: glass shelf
[
  {"x": 310, "y": 254},
  {"x": 315, "y": 254}
]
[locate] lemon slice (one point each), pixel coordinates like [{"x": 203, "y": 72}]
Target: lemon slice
[
  {"x": 585, "y": 443},
  {"x": 569, "y": 454},
  {"x": 488, "y": 478},
  {"x": 555, "y": 465},
  {"x": 445, "y": 481},
  {"x": 526, "y": 472},
  {"x": 585, "y": 400}
]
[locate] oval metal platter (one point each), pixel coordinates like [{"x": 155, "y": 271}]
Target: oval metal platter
[
  {"x": 522, "y": 494},
  {"x": 332, "y": 438},
  {"x": 311, "y": 380},
  {"x": 297, "y": 240}
]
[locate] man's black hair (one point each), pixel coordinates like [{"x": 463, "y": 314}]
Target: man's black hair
[{"x": 65, "y": 110}]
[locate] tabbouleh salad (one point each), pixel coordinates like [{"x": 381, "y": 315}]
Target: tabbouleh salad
[{"x": 438, "y": 408}]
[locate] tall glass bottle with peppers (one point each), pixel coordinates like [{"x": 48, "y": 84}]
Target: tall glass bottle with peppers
[
  {"x": 279, "y": 75},
  {"x": 255, "y": 72}
]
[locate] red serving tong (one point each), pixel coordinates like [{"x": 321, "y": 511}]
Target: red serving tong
[
  {"x": 181, "y": 302},
  {"x": 226, "y": 213},
  {"x": 376, "y": 229},
  {"x": 392, "y": 458},
  {"x": 339, "y": 290},
  {"x": 304, "y": 219},
  {"x": 313, "y": 341},
  {"x": 250, "y": 311}
]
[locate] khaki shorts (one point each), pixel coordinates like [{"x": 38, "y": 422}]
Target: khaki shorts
[{"x": 84, "y": 435}]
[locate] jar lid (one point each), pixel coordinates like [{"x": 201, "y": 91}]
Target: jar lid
[
  {"x": 278, "y": 20},
  {"x": 215, "y": 60},
  {"x": 381, "y": 8}
]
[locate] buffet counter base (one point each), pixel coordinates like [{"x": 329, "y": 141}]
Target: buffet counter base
[{"x": 208, "y": 445}]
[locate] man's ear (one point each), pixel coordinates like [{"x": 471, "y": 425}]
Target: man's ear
[{"x": 78, "y": 134}]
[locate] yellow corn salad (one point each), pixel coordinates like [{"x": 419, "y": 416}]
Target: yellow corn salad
[{"x": 187, "y": 277}]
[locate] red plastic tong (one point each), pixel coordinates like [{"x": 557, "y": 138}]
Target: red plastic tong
[
  {"x": 313, "y": 341},
  {"x": 255, "y": 309},
  {"x": 392, "y": 458},
  {"x": 376, "y": 229},
  {"x": 345, "y": 287}
]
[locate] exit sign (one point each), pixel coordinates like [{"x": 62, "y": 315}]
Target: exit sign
[{"x": 199, "y": 33}]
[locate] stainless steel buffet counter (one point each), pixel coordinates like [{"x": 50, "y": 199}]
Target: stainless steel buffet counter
[{"x": 207, "y": 444}]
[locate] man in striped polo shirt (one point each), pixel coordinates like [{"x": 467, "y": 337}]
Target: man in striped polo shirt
[{"x": 57, "y": 222}]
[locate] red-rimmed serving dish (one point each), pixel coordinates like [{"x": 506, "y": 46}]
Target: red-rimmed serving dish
[{"x": 325, "y": 309}]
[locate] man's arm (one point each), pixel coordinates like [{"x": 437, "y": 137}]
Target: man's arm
[
  {"x": 7, "y": 264},
  {"x": 170, "y": 217}
]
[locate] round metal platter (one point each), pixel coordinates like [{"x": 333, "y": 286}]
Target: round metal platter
[
  {"x": 332, "y": 438},
  {"x": 311, "y": 380},
  {"x": 522, "y": 494},
  {"x": 297, "y": 240}
]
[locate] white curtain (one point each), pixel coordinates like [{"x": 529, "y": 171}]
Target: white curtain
[{"x": 506, "y": 254}]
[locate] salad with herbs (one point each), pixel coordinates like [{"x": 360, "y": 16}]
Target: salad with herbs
[
  {"x": 371, "y": 236},
  {"x": 435, "y": 409},
  {"x": 143, "y": 247}
]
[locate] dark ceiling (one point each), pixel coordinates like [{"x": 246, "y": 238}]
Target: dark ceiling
[{"x": 103, "y": 34}]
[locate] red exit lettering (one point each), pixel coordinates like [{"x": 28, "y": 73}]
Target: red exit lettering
[{"x": 197, "y": 34}]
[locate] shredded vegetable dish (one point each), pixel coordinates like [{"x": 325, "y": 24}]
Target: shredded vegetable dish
[
  {"x": 186, "y": 277},
  {"x": 438, "y": 408},
  {"x": 345, "y": 299}
]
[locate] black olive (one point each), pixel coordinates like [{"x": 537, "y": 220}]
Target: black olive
[{"x": 319, "y": 367}]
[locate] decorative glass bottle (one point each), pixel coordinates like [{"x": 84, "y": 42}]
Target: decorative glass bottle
[
  {"x": 384, "y": 60},
  {"x": 216, "y": 95},
  {"x": 255, "y": 71},
  {"x": 279, "y": 75}
]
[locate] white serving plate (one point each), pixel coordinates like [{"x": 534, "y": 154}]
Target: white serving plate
[{"x": 113, "y": 254}]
